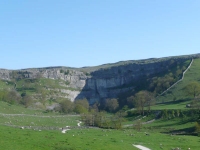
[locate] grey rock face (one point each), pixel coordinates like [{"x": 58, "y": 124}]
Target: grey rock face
[
  {"x": 102, "y": 83},
  {"x": 4, "y": 74}
]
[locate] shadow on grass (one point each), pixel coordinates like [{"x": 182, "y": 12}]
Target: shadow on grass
[
  {"x": 175, "y": 102},
  {"x": 185, "y": 131}
]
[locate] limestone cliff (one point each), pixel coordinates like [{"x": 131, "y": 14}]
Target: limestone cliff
[{"x": 100, "y": 82}]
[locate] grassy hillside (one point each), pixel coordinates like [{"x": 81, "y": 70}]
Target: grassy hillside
[
  {"x": 143, "y": 61},
  {"x": 7, "y": 108},
  {"x": 42, "y": 89},
  {"x": 45, "y": 91},
  {"x": 49, "y": 91},
  {"x": 177, "y": 93}
]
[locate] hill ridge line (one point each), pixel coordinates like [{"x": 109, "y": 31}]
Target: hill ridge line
[{"x": 178, "y": 80}]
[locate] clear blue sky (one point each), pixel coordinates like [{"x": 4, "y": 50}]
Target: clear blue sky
[{"x": 77, "y": 33}]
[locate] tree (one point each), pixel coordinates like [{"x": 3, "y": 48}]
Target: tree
[
  {"x": 83, "y": 102},
  {"x": 149, "y": 100},
  {"x": 111, "y": 105},
  {"x": 130, "y": 101},
  {"x": 66, "y": 106},
  {"x": 81, "y": 106},
  {"x": 12, "y": 97},
  {"x": 26, "y": 100},
  {"x": 61, "y": 71},
  {"x": 88, "y": 119},
  {"x": 94, "y": 107},
  {"x": 120, "y": 117},
  {"x": 116, "y": 122},
  {"x": 23, "y": 94},
  {"x": 193, "y": 89},
  {"x": 99, "y": 117},
  {"x": 196, "y": 103},
  {"x": 80, "y": 109},
  {"x": 142, "y": 99},
  {"x": 125, "y": 108}
]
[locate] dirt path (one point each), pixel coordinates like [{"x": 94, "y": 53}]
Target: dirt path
[
  {"x": 65, "y": 130},
  {"x": 141, "y": 147},
  {"x": 79, "y": 124}
]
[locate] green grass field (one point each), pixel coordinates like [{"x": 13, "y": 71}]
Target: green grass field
[
  {"x": 12, "y": 137},
  {"x": 89, "y": 139},
  {"x": 39, "y": 121},
  {"x": 19, "y": 116}
]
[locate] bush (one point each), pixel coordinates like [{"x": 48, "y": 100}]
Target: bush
[
  {"x": 66, "y": 106},
  {"x": 67, "y": 72}
]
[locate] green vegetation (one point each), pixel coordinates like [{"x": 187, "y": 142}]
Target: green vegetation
[
  {"x": 91, "y": 139},
  {"x": 157, "y": 122},
  {"x": 7, "y": 108},
  {"x": 81, "y": 106},
  {"x": 156, "y": 83},
  {"x": 29, "y": 91},
  {"x": 66, "y": 72},
  {"x": 111, "y": 105},
  {"x": 39, "y": 121},
  {"x": 144, "y": 61},
  {"x": 178, "y": 91},
  {"x": 178, "y": 104}
]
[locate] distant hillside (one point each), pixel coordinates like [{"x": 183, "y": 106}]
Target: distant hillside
[
  {"x": 48, "y": 86},
  {"x": 143, "y": 61}
]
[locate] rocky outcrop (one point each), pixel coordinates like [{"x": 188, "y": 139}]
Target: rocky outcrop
[
  {"x": 101, "y": 82},
  {"x": 4, "y": 74},
  {"x": 110, "y": 82}
]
